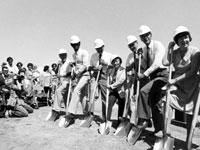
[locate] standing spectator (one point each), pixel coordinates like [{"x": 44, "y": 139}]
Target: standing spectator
[
  {"x": 19, "y": 65},
  {"x": 46, "y": 82},
  {"x": 12, "y": 68}
]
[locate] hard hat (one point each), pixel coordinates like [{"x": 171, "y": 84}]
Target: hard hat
[
  {"x": 62, "y": 51},
  {"x": 131, "y": 39},
  {"x": 144, "y": 29},
  {"x": 74, "y": 39},
  {"x": 179, "y": 30},
  {"x": 115, "y": 56},
  {"x": 98, "y": 43}
]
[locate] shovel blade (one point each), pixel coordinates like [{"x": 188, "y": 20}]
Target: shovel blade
[
  {"x": 134, "y": 135},
  {"x": 164, "y": 143},
  {"x": 123, "y": 129},
  {"x": 62, "y": 122},
  {"x": 87, "y": 122},
  {"x": 169, "y": 143},
  {"x": 105, "y": 128}
]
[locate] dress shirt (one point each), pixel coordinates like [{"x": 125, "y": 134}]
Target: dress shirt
[
  {"x": 105, "y": 59},
  {"x": 156, "y": 52},
  {"x": 81, "y": 58}
]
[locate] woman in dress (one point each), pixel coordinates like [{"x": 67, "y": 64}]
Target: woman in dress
[{"x": 184, "y": 83}]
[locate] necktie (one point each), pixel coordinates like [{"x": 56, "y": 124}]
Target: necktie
[
  {"x": 100, "y": 59},
  {"x": 148, "y": 57}
]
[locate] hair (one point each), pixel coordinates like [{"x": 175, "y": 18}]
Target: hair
[
  {"x": 182, "y": 34},
  {"x": 117, "y": 58},
  {"x": 54, "y": 64},
  {"x": 9, "y": 58},
  {"x": 19, "y": 63},
  {"x": 4, "y": 67},
  {"x": 29, "y": 64},
  {"x": 45, "y": 68}
]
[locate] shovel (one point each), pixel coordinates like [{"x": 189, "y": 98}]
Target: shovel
[
  {"x": 105, "y": 127},
  {"x": 124, "y": 127},
  {"x": 62, "y": 120},
  {"x": 135, "y": 132},
  {"x": 166, "y": 142},
  {"x": 193, "y": 125},
  {"x": 88, "y": 120}
]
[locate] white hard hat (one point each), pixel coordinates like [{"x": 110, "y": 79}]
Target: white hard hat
[
  {"x": 115, "y": 56},
  {"x": 74, "y": 39},
  {"x": 144, "y": 29},
  {"x": 62, "y": 51},
  {"x": 98, "y": 43},
  {"x": 178, "y": 31},
  {"x": 131, "y": 39}
]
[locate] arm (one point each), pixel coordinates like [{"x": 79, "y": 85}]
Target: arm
[
  {"x": 195, "y": 63},
  {"x": 159, "y": 54},
  {"x": 168, "y": 53},
  {"x": 120, "y": 81},
  {"x": 83, "y": 67}
]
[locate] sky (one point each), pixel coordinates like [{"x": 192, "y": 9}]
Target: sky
[{"x": 35, "y": 30}]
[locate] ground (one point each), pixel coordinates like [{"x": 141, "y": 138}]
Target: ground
[{"x": 33, "y": 133}]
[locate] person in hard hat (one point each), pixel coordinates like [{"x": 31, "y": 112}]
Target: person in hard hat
[
  {"x": 100, "y": 61},
  {"x": 184, "y": 84},
  {"x": 150, "y": 93},
  {"x": 132, "y": 65},
  {"x": 81, "y": 62},
  {"x": 116, "y": 88},
  {"x": 64, "y": 72}
]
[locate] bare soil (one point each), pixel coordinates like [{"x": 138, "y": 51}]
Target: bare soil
[{"x": 33, "y": 133}]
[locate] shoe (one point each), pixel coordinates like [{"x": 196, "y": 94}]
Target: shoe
[
  {"x": 69, "y": 119},
  {"x": 157, "y": 133},
  {"x": 8, "y": 113},
  {"x": 34, "y": 106},
  {"x": 53, "y": 116}
]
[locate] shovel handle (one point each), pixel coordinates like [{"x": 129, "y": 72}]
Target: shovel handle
[
  {"x": 93, "y": 94},
  {"x": 69, "y": 91},
  {"x": 193, "y": 125}
]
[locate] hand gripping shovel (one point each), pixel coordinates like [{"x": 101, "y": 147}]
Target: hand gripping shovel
[
  {"x": 124, "y": 127},
  {"x": 135, "y": 132},
  {"x": 166, "y": 142},
  {"x": 105, "y": 127},
  {"x": 88, "y": 120},
  {"x": 193, "y": 125},
  {"x": 63, "y": 120}
]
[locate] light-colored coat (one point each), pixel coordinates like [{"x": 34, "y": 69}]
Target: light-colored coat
[{"x": 120, "y": 80}]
